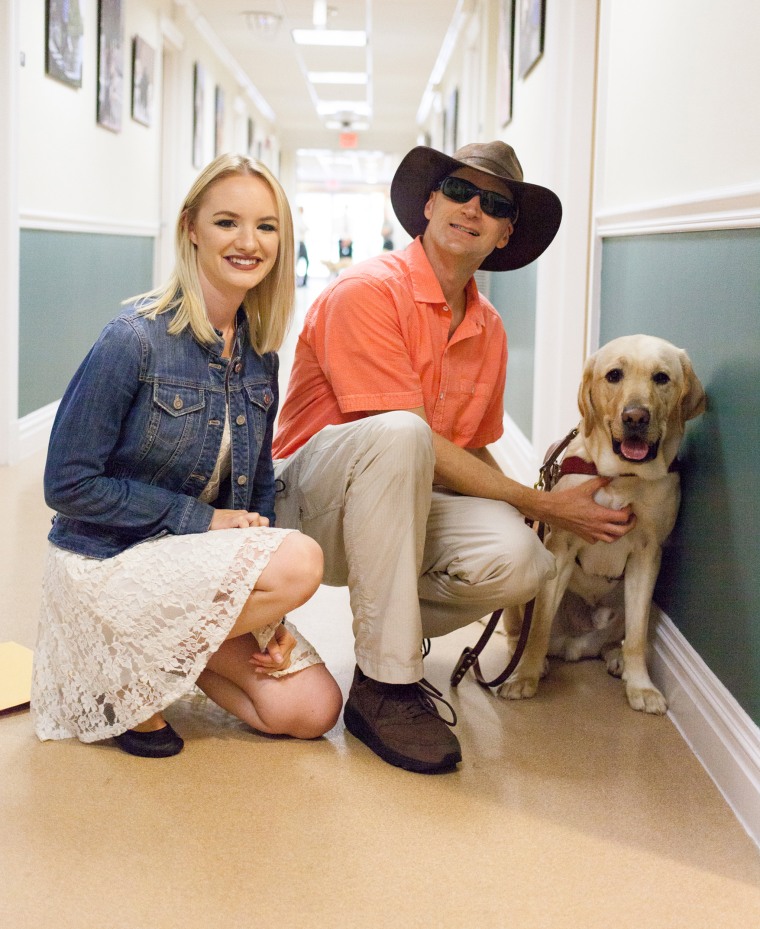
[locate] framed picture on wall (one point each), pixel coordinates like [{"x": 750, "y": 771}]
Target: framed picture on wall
[
  {"x": 143, "y": 66},
  {"x": 110, "y": 64},
  {"x": 218, "y": 121},
  {"x": 64, "y": 33},
  {"x": 531, "y": 38},
  {"x": 504, "y": 61},
  {"x": 199, "y": 95}
]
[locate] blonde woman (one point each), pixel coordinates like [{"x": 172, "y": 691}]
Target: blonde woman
[{"x": 164, "y": 570}]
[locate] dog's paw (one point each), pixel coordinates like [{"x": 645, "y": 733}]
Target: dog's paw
[
  {"x": 646, "y": 699},
  {"x": 574, "y": 650},
  {"x": 613, "y": 658},
  {"x": 519, "y": 688}
]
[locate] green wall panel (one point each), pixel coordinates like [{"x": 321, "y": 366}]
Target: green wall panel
[
  {"x": 701, "y": 290},
  {"x": 71, "y": 284},
  {"x": 513, "y": 293}
]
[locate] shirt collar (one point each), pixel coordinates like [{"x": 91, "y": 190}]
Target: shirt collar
[{"x": 427, "y": 288}]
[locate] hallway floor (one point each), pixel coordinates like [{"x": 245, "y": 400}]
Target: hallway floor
[{"x": 569, "y": 810}]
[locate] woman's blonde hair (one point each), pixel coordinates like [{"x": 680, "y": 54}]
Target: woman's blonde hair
[{"x": 268, "y": 305}]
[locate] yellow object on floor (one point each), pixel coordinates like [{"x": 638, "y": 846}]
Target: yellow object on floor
[{"x": 15, "y": 676}]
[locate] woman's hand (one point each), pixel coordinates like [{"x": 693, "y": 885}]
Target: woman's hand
[
  {"x": 236, "y": 519},
  {"x": 276, "y": 656}
]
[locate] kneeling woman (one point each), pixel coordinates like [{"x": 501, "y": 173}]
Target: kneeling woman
[{"x": 163, "y": 571}]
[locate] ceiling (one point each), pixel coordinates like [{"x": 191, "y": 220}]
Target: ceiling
[{"x": 404, "y": 42}]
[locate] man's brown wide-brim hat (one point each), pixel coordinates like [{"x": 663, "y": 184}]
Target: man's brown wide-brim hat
[{"x": 424, "y": 168}]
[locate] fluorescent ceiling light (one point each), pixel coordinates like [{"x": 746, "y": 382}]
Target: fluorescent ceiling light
[
  {"x": 343, "y": 37},
  {"x": 337, "y": 77}
]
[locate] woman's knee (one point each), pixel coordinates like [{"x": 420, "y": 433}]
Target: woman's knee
[
  {"x": 300, "y": 566},
  {"x": 310, "y": 709}
]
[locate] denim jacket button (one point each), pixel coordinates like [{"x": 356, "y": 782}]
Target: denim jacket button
[
  {"x": 242, "y": 479},
  {"x": 240, "y": 420},
  {"x": 238, "y": 366},
  {"x": 177, "y": 403}
]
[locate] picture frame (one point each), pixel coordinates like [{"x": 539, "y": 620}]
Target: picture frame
[
  {"x": 218, "y": 120},
  {"x": 505, "y": 61},
  {"x": 64, "y": 41},
  {"x": 110, "y": 64},
  {"x": 143, "y": 80},
  {"x": 199, "y": 98},
  {"x": 250, "y": 137},
  {"x": 531, "y": 34}
]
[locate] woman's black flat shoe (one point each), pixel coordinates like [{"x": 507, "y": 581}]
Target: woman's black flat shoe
[{"x": 161, "y": 743}]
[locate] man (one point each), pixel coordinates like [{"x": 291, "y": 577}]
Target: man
[{"x": 395, "y": 393}]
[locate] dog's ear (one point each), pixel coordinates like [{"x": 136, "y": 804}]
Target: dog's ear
[
  {"x": 693, "y": 400},
  {"x": 585, "y": 400}
]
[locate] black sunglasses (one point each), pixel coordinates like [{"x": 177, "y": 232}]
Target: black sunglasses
[{"x": 492, "y": 204}]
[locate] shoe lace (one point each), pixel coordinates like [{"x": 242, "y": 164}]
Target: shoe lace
[{"x": 424, "y": 695}]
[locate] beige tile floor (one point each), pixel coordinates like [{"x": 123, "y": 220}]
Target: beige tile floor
[{"x": 569, "y": 810}]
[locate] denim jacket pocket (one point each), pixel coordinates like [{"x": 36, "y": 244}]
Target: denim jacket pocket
[
  {"x": 177, "y": 423},
  {"x": 260, "y": 394},
  {"x": 178, "y": 400}
]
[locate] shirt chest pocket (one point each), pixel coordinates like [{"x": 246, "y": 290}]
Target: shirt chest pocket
[{"x": 472, "y": 403}]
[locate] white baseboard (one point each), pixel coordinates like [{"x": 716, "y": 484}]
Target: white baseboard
[
  {"x": 719, "y": 732},
  {"x": 515, "y": 454},
  {"x": 31, "y": 434}
]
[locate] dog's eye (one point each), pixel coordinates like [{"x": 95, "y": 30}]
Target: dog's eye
[
  {"x": 614, "y": 376},
  {"x": 661, "y": 378}
]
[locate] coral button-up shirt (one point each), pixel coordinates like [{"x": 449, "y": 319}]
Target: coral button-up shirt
[{"x": 377, "y": 339}]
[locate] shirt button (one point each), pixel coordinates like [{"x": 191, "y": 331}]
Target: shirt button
[
  {"x": 238, "y": 366},
  {"x": 242, "y": 480},
  {"x": 240, "y": 420},
  {"x": 177, "y": 403},
  {"x": 440, "y": 395},
  {"x": 446, "y": 309}
]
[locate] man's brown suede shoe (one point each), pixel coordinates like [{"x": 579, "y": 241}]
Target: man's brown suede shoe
[{"x": 401, "y": 724}]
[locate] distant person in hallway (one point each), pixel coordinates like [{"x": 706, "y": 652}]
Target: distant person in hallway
[
  {"x": 164, "y": 569},
  {"x": 387, "y": 233},
  {"x": 396, "y": 392},
  {"x": 302, "y": 258}
]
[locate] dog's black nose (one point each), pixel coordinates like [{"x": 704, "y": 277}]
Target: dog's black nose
[{"x": 636, "y": 416}]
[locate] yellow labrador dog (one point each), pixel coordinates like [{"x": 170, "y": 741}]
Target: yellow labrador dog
[{"x": 636, "y": 394}]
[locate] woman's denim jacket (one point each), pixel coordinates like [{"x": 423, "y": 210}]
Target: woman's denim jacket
[{"x": 138, "y": 433}]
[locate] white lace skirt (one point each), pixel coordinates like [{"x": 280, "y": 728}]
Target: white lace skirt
[{"x": 122, "y": 638}]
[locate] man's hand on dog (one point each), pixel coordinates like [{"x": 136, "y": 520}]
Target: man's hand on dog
[{"x": 576, "y": 510}]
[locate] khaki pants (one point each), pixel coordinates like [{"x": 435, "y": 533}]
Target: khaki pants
[{"x": 418, "y": 560}]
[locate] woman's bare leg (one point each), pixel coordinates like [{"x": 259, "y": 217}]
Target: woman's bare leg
[
  {"x": 155, "y": 722},
  {"x": 305, "y": 704},
  {"x": 292, "y": 576}
]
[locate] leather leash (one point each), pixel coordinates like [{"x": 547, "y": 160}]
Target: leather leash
[{"x": 548, "y": 475}]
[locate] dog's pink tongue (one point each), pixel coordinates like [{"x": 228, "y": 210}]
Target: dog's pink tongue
[{"x": 634, "y": 449}]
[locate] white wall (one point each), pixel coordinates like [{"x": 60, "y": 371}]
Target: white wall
[
  {"x": 70, "y": 166},
  {"x": 64, "y": 171},
  {"x": 681, "y": 79}
]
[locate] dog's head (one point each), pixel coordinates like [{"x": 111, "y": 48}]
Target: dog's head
[{"x": 635, "y": 397}]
